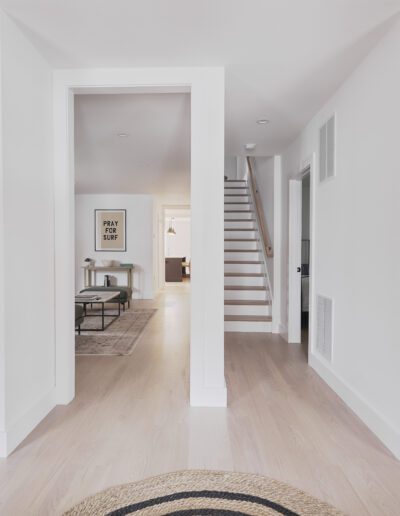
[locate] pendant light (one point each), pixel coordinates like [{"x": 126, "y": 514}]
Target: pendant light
[{"x": 171, "y": 230}]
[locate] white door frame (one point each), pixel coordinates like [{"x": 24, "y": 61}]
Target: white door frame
[
  {"x": 206, "y": 85},
  {"x": 294, "y": 294},
  {"x": 294, "y": 278}
]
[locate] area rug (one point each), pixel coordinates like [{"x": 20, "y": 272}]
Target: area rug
[
  {"x": 207, "y": 493},
  {"x": 118, "y": 339}
]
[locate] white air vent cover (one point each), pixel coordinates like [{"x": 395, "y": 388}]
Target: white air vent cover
[
  {"x": 327, "y": 150},
  {"x": 324, "y": 327}
]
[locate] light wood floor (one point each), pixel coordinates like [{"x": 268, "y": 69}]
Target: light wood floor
[{"x": 130, "y": 420}]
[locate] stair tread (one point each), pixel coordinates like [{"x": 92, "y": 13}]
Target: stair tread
[
  {"x": 235, "y": 181},
  {"x": 244, "y": 274},
  {"x": 247, "y": 302},
  {"x": 241, "y": 287},
  {"x": 243, "y": 262},
  {"x": 242, "y": 250},
  {"x": 235, "y": 195},
  {"x": 239, "y": 211},
  {"x": 236, "y": 202},
  {"x": 241, "y": 240},
  {"x": 239, "y": 220},
  {"x": 240, "y": 229},
  {"x": 249, "y": 318},
  {"x": 236, "y": 187}
]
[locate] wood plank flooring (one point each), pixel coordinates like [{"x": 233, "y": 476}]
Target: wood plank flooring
[{"x": 131, "y": 419}]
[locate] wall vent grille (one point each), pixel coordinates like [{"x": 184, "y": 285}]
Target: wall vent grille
[
  {"x": 324, "y": 327},
  {"x": 327, "y": 150}
]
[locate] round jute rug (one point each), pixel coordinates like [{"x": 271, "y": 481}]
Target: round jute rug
[{"x": 203, "y": 493}]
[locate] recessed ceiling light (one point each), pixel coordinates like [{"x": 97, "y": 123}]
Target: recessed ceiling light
[
  {"x": 123, "y": 135},
  {"x": 250, "y": 146},
  {"x": 263, "y": 121}
]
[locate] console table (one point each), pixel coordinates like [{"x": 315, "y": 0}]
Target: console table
[{"x": 91, "y": 270}]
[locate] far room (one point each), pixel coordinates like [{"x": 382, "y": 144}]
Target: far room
[
  {"x": 132, "y": 162},
  {"x": 177, "y": 246}
]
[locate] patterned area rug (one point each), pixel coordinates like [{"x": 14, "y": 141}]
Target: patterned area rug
[
  {"x": 208, "y": 493},
  {"x": 118, "y": 339}
]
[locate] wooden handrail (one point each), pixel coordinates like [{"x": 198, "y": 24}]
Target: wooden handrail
[{"x": 266, "y": 241}]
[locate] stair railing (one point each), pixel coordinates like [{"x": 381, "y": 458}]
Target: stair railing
[{"x": 265, "y": 241}]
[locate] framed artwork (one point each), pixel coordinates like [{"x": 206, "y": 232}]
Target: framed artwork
[{"x": 110, "y": 230}]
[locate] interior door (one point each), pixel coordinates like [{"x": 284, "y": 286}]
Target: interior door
[{"x": 294, "y": 279}]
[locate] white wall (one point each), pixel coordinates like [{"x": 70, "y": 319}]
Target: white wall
[
  {"x": 139, "y": 239},
  {"x": 357, "y": 244},
  {"x": 178, "y": 245},
  {"x": 231, "y": 167},
  {"x": 27, "y": 374}
]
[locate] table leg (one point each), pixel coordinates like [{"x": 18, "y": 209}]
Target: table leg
[{"x": 102, "y": 316}]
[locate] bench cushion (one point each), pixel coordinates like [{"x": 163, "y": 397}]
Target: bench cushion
[
  {"x": 78, "y": 314},
  {"x": 125, "y": 292}
]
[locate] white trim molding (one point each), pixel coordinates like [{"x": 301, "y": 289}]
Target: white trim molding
[
  {"x": 382, "y": 428},
  {"x": 207, "y": 88}
]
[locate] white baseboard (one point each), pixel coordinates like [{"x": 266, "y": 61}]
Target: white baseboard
[
  {"x": 377, "y": 423},
  {"x": 283, "y": 331},
  {"x": 21, "y": 428},
  {"x": 276, "y": 326},
  {"x": 208, "y": 397}
]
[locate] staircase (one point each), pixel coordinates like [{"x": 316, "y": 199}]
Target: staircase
[{"x": 247, "y": 296}]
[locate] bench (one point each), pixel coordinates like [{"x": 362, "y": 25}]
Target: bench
[
  {"x": 125, "y": 293},
  {"x": 79, "y": 317}
]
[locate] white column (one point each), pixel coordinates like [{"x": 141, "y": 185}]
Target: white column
[{"x": 207, "y": 382}]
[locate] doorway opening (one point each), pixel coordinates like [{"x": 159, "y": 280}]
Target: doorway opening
[
  {"x": 206, "y": 87},
  {"x": 305, "y": 259},
  {"x": 126, "y": 160},
  {"x": 301, "y": 230},
  {"x": 177, "y": 246}
]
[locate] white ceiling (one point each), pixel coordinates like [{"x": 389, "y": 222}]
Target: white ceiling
[
  {"x": 153, "y": 158},
  {"x": 283, "y": 58}
]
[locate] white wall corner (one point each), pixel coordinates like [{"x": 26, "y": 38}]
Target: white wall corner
[
  {"x": 21, "y": 428},
  {"x": 382, "y": 428}
]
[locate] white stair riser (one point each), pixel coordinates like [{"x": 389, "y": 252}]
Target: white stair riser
[
  {"x": 242, "y": 224},
  {"x": 235, "y": 198},
  {"x": 248, "y": 326},
  {"x": 243, "y": 281},
  {"x": 246, "y": 295},
  {"x": 236, "y": 191},
  {"x": 250, "y": 245},
  {"x": 241, "y": 234},
  {"x": 243, "y": 267},
  {"x": 248, "y": 310},
  {"x": 254, "y": 256},
  {"x": 237, "y": 215},
  {"x": 238, "y": 207}
]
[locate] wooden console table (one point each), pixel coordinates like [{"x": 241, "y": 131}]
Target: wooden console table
[{"x": 91, "y": 270}]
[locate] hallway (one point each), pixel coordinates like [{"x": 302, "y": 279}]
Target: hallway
[{"x": 130, "y": 420}]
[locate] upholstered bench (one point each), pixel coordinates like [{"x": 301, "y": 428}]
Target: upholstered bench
[
  {"x": 125, "y": 293},
  {"x": 79, "y": 318}
]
